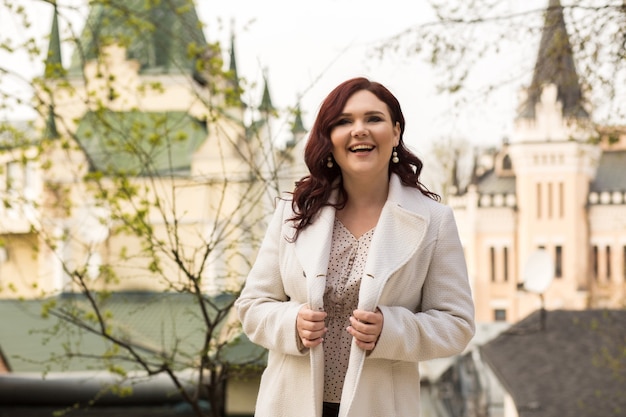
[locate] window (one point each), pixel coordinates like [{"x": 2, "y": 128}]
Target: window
[
  {"x": 506, "y": 163},
  {"x": 624, "y": 262},
  {"x": 549, "y": 200},
  {"x": 29, "y": 181},
  {"x": 13, "y": 178},
  {"x": 505, "y": 259},
  {"x": 558, "y": 262},
  {"x": 499, "y": 314},
  {"x": 538, "y": 200},
  {"x": 492, "y": 263},
  {"x": 561, "y": 200},
  {"x": 594, "y": 261},
  {"x": 608, "y": 263}
]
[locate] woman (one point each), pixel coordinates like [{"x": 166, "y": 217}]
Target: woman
[{"x": 361, "y": 274}]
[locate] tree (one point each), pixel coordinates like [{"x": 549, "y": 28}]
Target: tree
[
  {"x": 448, "y": 167},
  {"x": 139, "y": 174},
  {"x": 481, "y": 46}
]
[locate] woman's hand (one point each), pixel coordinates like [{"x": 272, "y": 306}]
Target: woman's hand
[
  {"x": 311, "y": 326},
  {"x": 365, "y": 327}
]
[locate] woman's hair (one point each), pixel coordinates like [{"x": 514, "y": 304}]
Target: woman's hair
[{"x": 313, "y": 191}]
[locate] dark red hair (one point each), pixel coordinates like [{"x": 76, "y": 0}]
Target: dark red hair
[{"x": 313, "y": 191}]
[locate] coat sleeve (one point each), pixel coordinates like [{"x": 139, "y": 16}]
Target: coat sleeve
[
  {"x": 444, "y": 324},
  {"x": 267, "y": 314}
]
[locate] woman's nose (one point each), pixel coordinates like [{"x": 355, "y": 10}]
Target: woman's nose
[{"x": 359, "y": 130}]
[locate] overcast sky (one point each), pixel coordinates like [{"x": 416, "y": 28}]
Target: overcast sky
[{"x": 308, "y": 48}]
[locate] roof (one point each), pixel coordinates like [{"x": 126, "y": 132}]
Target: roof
[
  {"x": 492, "y": 183},
  {"x": 152, "y": 322},
  {"x": 555, "y": 65},
  {"x": 609, "y": 176},
  {"x": 4, "y": 363},
  {"x": 165, "y": 36},
  {"x": 574, "y": 366},
  {"x": 140, "y": 143},
  {"x": 611, "y": 172},
  {"x": 431, "y": 370}
]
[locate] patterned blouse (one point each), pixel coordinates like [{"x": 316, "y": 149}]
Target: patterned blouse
[{"x": 347, "y": 262}]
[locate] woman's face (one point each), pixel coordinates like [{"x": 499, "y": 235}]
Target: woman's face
[{"x": 363, "y": 137}]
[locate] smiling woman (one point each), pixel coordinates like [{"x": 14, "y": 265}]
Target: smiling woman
[
  {"x": 363, "y": 141},
  {"x": 360, "y": 273}
]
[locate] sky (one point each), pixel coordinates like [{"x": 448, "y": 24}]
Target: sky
[{"x": 306, "y": 48}]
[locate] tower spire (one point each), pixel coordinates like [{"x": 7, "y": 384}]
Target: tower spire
[
  {"x": 266, "y": 102},
  {"x": 297, "y": 127},
  {"x": 234, "y": 74},
  {"x": 555, "y": 65},
  {"x": 54, "y": 62}
]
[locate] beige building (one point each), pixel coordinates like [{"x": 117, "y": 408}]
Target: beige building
[
  {"x": 543, "y": 221},
  {"x": 146, "y": 183},
  {"x": 153, "y": 114}
]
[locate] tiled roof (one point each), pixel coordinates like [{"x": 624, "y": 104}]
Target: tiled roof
[
  {"x": 164, "y": 36},
  {"x": 574, "y": 366},
  {"x": 152, "y": 322},
  {"x": 140, "y": 143},
  {"x": 611, "y": 174},
  {"x": 491, "y": 183}
]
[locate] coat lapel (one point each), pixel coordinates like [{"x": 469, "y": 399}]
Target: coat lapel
[
  {"x": 399, "y": 233},
  {"x": 313, "y": 251}
]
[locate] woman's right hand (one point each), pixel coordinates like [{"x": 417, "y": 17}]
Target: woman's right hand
[{"x": 311, "y": 326}]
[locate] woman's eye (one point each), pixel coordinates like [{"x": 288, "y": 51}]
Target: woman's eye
[
  {"x": 342, "y": 122},
  {"x": 375, "y": 119}
]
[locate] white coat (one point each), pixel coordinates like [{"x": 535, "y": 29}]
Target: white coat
[{"x": 415, "y": 273}]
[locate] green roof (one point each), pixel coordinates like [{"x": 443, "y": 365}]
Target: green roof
[
  {"x": 140, "y": 143},
  {"x": 611, "y": 172},
  {"x": 165, "y": 36},
  {"x": 154, "y": 323}
]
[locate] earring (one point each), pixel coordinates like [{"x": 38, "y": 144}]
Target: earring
[
  {"x": 394, "y": 156},
  {"x": 329, "y": 162}
]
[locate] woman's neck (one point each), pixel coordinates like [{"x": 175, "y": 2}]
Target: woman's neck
[{"x": 364, "y": 205}]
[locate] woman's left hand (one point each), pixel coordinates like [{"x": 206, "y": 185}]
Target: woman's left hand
[{"x": 365, "y": 327}]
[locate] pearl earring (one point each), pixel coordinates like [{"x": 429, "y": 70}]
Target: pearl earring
[
  {"x": 329, "y": 162},
  {"x": 394, "y": 156}
]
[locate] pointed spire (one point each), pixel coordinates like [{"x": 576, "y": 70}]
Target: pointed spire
[
  {"x": 297, "y": 128},
  {"x": 266, "y": 102},
  {"x": 51, "y": 124},
  {"x": 235, "y": 97},
  {"x": 54, "y": 62},
  {"x": 298, "y": 125},
  {"x": 233, "y": 61},
  {"x": 555, "y": 65}
]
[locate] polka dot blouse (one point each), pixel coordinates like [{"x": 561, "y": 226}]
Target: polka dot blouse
[{"x": 347, "y": 262}]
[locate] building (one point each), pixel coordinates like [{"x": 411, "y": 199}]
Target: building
[
  {"x": 147, "y": 101},
  {"x": 142, "y": 189},
  {"x": 563, "y": 363},
  {"x": 558, "y": 185}
]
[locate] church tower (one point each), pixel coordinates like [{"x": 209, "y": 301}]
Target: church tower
[
  {"x": 550, "y": 187},
  {"x": 554, "y": 161}
]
